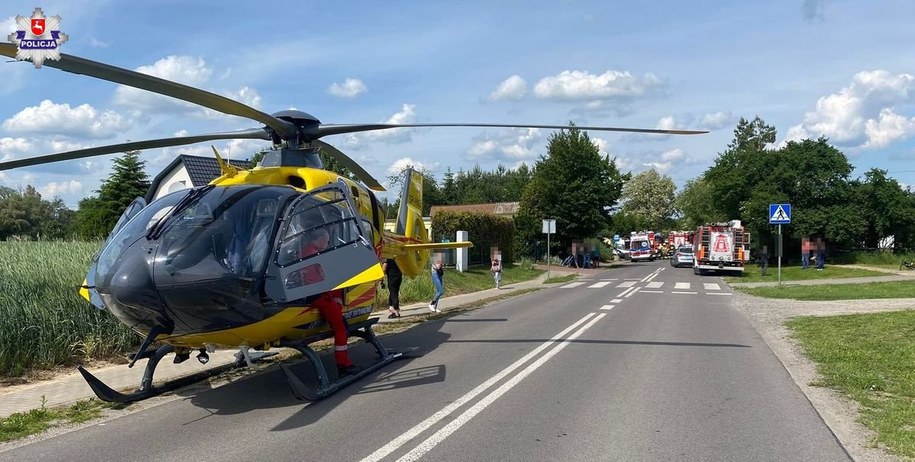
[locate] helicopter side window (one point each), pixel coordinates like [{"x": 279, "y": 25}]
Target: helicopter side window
[{"x": 326, "y": 212}]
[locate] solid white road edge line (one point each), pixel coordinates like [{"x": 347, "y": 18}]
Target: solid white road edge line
[
  {"x": 383, "y": 451},
  {"x": 460, "y": 420}
]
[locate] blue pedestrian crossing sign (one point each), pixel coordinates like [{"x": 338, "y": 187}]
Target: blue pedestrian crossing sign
[{"x": 779, "y": 214}]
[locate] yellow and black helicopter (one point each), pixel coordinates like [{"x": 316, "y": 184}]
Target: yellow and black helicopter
[{"x": 219, "y": 266}]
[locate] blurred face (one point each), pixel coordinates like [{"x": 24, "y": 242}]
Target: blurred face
[{"x": 321, "y": 240}]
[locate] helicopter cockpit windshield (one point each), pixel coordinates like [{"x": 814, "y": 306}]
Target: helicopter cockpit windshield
[{"x": 204, "y": 259}]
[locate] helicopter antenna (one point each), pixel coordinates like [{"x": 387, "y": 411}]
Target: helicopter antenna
[{"x": 224, "y": 167}]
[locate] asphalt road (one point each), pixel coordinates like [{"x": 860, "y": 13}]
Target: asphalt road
[{"x": 644, "y": 362}]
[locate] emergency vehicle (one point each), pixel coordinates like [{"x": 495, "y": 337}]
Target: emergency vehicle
[
  {"x": 641, "y": 246},
  {"x": 720, "y": 247},
  {"x": 677, "y": 238}
]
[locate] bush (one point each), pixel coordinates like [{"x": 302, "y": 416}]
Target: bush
[{"x": 484, "y": 231}]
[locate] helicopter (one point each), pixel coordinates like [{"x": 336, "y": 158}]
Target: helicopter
[{"x": 220, "y": 267}]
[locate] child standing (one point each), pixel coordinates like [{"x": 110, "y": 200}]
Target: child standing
[{"x": 496, "y": 268}]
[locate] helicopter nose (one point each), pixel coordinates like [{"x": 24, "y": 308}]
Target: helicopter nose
[{"x": 129, "y": 291}]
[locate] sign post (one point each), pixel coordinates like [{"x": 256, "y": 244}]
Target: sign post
[
  {"x": 779, "y": 214},
  {"x": 549, "y": 227}
]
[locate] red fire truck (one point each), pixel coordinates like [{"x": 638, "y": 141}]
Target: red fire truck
[
  {"x": 720, "y": 247},
  {"x": 677, "y": 238}
]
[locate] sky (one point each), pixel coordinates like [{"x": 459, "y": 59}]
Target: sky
[{"x": 810, "y": 68}]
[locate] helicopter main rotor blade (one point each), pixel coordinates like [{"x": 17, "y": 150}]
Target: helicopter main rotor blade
[
  {"x": 349, "y": 163},
  {"x": 77, "y": 65},
  {"x": 337, "y": 129},
  {"x": 252, "y": 134}
]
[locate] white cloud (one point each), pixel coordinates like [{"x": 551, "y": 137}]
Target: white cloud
[
  {"x": 853, "y": 115},
  {"x": 511, "y": 145},
  {"x": 584, "y": 86},
  {"x": 248, "y": 96},
  {"x": 182, "y": 69},
  {"x": 243, "y": 149},
  {"x": 512, "y": 88},
  {"x": 350, "y": 88},
  {"x": 63, "y": 145},
  {"x": 8, "y": 146},
  {"x": 407, "y": 115},
  {"x": 602, "y": 145},
  {"x": 716, "y": 120},
  {"x": 667, "y": 160},
  {"x": 96, "y": 43},
  {"x": 889, "y": 128},
  {"x": 668, "y": 123},
  {"x": 400, "y": 164},
  {"x": 60, "y": 119},
  {"x": 54, "y": 188},
  {"x": 8, "y": 26}
]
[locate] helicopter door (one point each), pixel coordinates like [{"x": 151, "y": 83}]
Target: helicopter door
[
  {"x": 320, "y": 246},
  {"x": 132, "y": 210}
]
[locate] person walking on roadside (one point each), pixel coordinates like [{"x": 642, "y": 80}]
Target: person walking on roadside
[
  {"x": 820, "y": 254},
  {"x": 395, "y": 278},
  {"x": 496, "y": 268},
  {"x": 805, "y": 253},
  {"x": 438, "y": 273},
  {"x": 763, "y": 260}
]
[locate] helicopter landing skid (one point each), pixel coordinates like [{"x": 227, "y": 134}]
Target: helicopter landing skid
[
  {"x": 147, "y": 390},
  {"x": 327, "y": 387}
]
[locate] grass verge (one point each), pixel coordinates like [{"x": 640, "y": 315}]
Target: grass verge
[
  {"x": 869, "y": 358},
  {"x": 796, "y": 273},
  {"x": 560, "y": 279},
  {"x": 893, "y": 289},
  {"x": 23, "y": 424}
]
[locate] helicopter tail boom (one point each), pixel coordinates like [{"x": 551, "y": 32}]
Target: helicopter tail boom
[{"x": 410, "y": 228}]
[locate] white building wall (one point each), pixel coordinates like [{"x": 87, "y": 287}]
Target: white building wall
[{"x": 175, "y": 181}]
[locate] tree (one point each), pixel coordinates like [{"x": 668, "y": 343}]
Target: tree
[
  {"x": 741, "y": 165},
  {"x": 572, "y": 184},
  {"x": 98, "y": 214},
  {"x": 697, "y": 205},
  {"x": 26, "y": 215},
  {"x": 889, "y": 209},
  {"x": 650, "y": 195}
]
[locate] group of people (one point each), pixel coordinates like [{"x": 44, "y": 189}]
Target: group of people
[
  {"x": 816, "y": 247},
  {"x": 395, "y": 278}
]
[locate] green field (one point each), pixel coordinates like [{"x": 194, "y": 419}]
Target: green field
[
  {"x": 43, "y": 321},
  {"x": 869, "y": 358}
]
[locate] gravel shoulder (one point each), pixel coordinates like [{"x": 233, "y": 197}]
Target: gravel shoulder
[{"x": 768, "y": 317}]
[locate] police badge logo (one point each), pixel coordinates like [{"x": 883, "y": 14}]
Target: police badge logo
[{"x": 38, "y": 38}]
